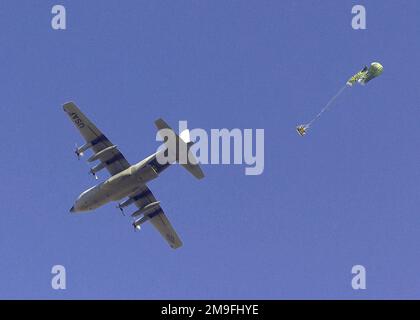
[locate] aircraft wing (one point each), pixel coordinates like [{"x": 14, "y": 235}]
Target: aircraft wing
[
  {"x": 158, "y": 218},
  {"x": 111, "y": 157}
]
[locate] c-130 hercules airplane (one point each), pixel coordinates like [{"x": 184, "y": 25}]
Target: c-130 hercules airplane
[{"x": 128, "y": 181}]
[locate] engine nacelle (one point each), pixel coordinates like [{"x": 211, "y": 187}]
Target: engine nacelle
[
  {"x": 125, "y": 203},
  {"x": 147, "y": 209},
  {"x": 103, "y": 154},
  {"x": 97, "y": 168},
  {"x": 80, "y": 150},
  {"x": 137, "y": 224}
]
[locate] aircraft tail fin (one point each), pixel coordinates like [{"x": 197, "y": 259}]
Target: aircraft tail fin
[
  {"x": 183, "y": 154},
  {"x": 185, "y": 136}
]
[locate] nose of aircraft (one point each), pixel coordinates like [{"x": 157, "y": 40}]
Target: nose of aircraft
[{"x": 72, "y": 209}]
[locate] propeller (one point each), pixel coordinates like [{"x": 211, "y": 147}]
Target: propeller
[
  {"x": 77, "y": 152},
  {"x": 94, "y": 174},
  {"x": 121, "y": 209}
]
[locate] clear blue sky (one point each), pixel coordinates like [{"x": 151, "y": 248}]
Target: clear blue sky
[{"x": 346, "y": 194}]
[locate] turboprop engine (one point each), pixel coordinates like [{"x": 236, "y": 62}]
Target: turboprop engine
[{"x": 148, "y": 211}]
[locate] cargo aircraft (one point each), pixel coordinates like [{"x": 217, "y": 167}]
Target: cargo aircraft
[{"x": 128, "y": 181}]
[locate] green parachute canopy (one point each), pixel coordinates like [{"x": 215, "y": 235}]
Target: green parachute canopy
[{"x": 366, "y": 74}]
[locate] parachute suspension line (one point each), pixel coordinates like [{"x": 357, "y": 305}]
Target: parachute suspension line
[{"x": 326, "y": 107}]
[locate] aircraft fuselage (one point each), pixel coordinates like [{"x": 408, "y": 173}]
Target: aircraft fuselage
[{"x": 120, "y": 185}]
